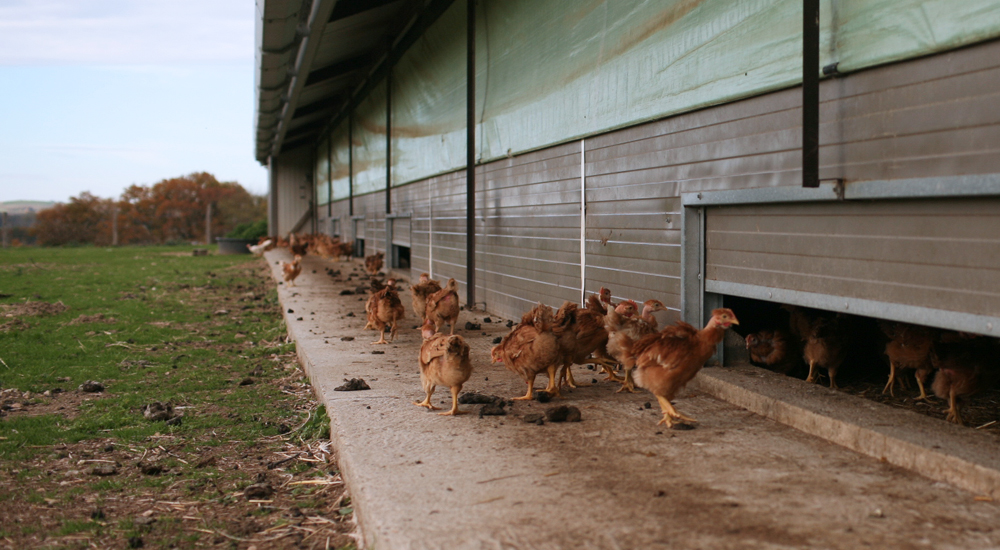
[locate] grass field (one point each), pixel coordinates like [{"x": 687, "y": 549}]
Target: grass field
[{"x": 201, "y": 334}]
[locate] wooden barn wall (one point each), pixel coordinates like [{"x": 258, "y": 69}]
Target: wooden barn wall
[{"x": 928, "y": 117}]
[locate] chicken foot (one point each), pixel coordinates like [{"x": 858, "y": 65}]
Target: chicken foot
[
  {"x": 531, "y": 390},
  {"x": 427, "y": 402},
  {"x": 454, "y": 402},
  {"x": 812, "y": 373},
  {"x": 921, "y": 376},
  {"x": 670, "y": 414},
  {"x": 628, "y": 384},
  {"x": 954, "y": 414},
  {"x": 553, "y": 387},
  {"x": 381, "y": 338}
]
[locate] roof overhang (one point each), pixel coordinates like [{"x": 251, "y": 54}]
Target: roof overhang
[{"x": 315, "y": 56}]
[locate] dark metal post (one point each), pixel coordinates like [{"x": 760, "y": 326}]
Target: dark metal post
[
  {"x": 272, "y": 196},
  {"x": 388, "y": 144},
  {"x": 810, "y": 93},
  {"x": 329, "y": 177},
  {"x": 114, "y": 225},
  {"x": 350, "y": 161},
  {"x": 5, "y": 222},
  {"x": 470, "y": 154}
]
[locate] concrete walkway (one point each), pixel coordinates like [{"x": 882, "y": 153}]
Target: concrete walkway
[{"x": 614, "y": 480}]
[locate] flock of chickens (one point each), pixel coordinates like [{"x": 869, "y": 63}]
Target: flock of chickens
[
  {"x": 661, "y": 361},
  {"x": 962, "y": 364}
]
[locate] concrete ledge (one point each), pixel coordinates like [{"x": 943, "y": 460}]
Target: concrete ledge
[{"x": 928, "y": 446}]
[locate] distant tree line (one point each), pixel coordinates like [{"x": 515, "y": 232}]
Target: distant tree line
[{"x": 171, "y": 211}]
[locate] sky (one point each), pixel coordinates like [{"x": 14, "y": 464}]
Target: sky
[{"x": 96, "y": 95}]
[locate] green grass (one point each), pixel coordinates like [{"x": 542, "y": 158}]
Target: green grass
[{"x": 170, "y": 343}]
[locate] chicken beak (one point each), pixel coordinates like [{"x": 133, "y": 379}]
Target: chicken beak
[{"x": 735, "y": 322}]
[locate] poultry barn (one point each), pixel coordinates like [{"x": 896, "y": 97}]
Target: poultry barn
[{"x": 837, "y": 161}]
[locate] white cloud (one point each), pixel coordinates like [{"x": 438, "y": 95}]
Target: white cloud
[{"x": 89, "y": 32}]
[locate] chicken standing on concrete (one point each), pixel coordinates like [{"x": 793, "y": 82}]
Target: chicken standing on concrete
[
  {"x": 291, "y": 270},
  {"x": 444, "y": 360},
  {"x": 373, "y": 263},
  {"x": 421, "y": 291},
  {"x": 259, "y": 248},
  {"x": 667, "y": 360},
  {"x": 827, "y": 345},
  {"x": 622, "y": 323},
  {"x": 582, "y": 338},
  {"x": 386, "y": 312},
  {"x": 531, "y": 348},
  {"x": 443, "y": 306}
]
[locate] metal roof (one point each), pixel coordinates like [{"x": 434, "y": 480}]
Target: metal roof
[{"x": 313, "y": 56}]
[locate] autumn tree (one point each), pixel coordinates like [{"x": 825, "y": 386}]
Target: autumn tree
[
  {"x": 84, "y": 219},
  {"x": 172, "y": 210}
]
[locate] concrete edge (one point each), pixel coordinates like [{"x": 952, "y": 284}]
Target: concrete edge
[{"x": 844, "y": 423}]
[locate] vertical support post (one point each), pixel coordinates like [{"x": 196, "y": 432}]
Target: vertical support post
[
  {"x": 6, "y": 229},
  {"x": 430, "y": 244},
  {"x": 350, "y": 161},
  {"x": 329, "y": 179},
  {"x": 272, "y": 197},
  {"x": 388, "y": 145},
  {"x": 470, "y": 153},
  {"x": 692, "y": 266},
  {"x": 810, "y": 93},
  {"x": 114, "y": 225},
  {"x": 583, "y": 222},
  {"x": 208, "y": 224}
]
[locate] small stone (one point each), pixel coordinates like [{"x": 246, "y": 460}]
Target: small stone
[
  {"x": 347, "y": 339},
  {"x": 487, "y": 320},
  {"x": 104, "y": 470},
  {"x": 378, "y": 352},
  {"x": 109, "y": 448},
  {"x": 347, "y": 292},
  {"x": 543, "y": 396},
  {"x": 290, "y": 310},
  {"x": 350, "y": 314},
  {"x": 497, "y": 340},
  {"x": 534, "y": 418},
  {"x": 298, "y": 318},
  {"x": 473, "y": 326},
  {"x": 647, "y": 405},
  {"x": 246, "y": 381},
  {"x": 510, "y": 324},
  {"x": 877, "y": 513},
  {"x": 92, "y": 386},
  {"x": 354, "y": 384}
]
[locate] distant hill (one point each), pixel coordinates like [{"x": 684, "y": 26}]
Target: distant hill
[{"x": 23, "y": 207}]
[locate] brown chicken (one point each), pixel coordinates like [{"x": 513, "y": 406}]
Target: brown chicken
[
  {"x": 605, "y": 297},
  {"x": 827, "y": 344},
  {"x": 424, "y": 288},
  {"x": 966, "y": 365},
  {"x": 531, "y": 348},
  {"x": 290, "y": 271},
  {"x": 373, "y": 263},
  {"x": 581, "y": 334},
  {"x": 296, "y": 245},
  {"x": 667, "y": 360},
  {"x": 776, "y": 350},
  {"x": 375, "y": 286},
  {"x": 325, "y": 246},
  {"x": 387, "y": 310},
  {"x": 443, "y": 307},
  {"x": 909, "y": 348},
  {"x": 623, "y": 324},
  {"x": 444, "y": 361}
]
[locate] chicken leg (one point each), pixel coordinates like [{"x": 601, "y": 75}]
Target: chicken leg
[
  {"x": 670, "y": 414},
  {"x": 921, "y": 376},
  {"x": 892, "y": 380},
  {"x": 427, "y": 402},
  {"x": 628, "y": 384},
  {"x": 553, "y": 387},
  {"x": 381, "y": 338},
  {"x": 454, "y": 402},
  {"x": 812, "y": 373},
  {"x": 954, "y": 414},
  {"x": 531, "y": 390}
]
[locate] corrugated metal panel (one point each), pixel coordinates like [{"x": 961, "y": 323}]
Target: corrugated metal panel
[
  {"x": 939, "y": 254},
  {"x": 401, "y": 231},
  {"x": 528, "y": 227},
  {"x": 295, "y": 188}
]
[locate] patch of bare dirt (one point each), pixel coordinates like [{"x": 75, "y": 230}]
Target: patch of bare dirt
[
  {"x": 14, "y": 324},
  {"x": 88, "y": 319},
  {"x": 66, "y": 404},
  {"x": 32, "y": 309}
]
